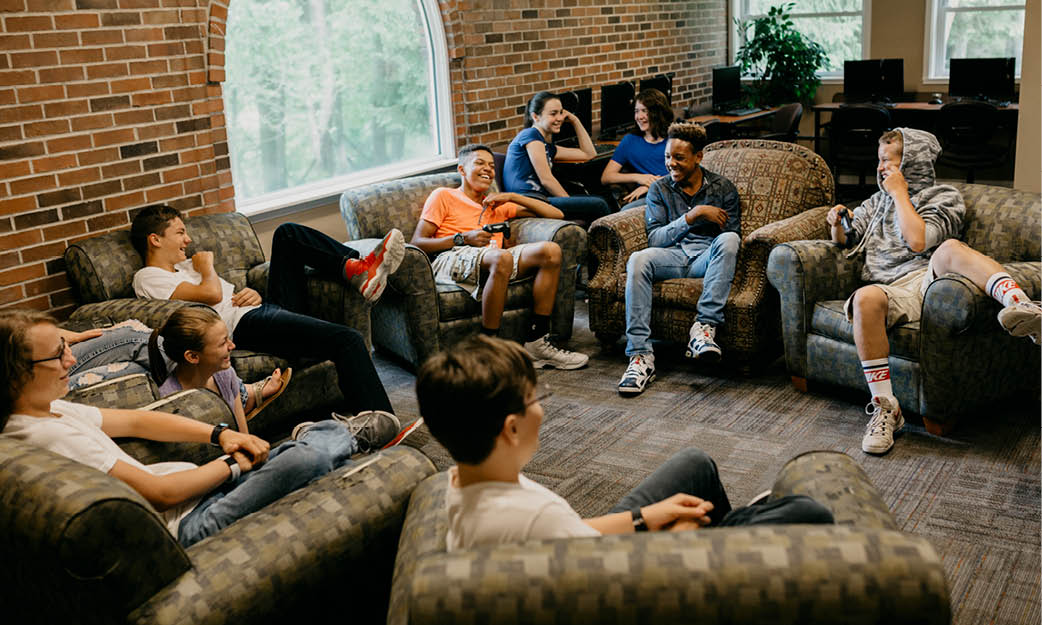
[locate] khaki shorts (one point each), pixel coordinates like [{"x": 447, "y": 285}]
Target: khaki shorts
[
  {"x": 904, "y": 297},
  {"x": 461, "y": 266}
]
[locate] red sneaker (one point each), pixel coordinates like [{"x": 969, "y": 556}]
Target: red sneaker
[{"x": 369, "y": 274}]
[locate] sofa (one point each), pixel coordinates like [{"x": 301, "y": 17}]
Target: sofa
[
  {"x": 415, "y": 317},
  {"x": 82, "y": 547},
  {"x": 101, "y": 270},
  {"x": 785, "y": 190},
  {"x": 861, "y": 570},
  {"x": 957, "y": 357}
]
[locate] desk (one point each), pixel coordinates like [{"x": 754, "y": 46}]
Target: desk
[
  {"x": 731, "y": 119},
  {"x": 896, "y": 110}
]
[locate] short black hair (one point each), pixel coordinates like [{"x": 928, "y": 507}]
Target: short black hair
[
  {"x": 151, "y": 220},
  {"x": 466, "y": 392},
  {"x": 694, "y": 134},
  {"x": 471, "y": 148}
]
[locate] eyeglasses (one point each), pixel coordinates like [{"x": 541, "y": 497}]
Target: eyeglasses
[
  {"x": 61, "y": 353},
  {"x": 542, "y": 393}
]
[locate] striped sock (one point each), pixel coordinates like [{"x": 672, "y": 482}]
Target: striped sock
[
  {"x": 1004, "y": 288},
  {"x": 877, "y": 374}
]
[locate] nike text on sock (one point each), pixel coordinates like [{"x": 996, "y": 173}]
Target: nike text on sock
[{"x": 1004, "y": 288}]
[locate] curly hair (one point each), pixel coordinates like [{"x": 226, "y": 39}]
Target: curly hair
[
  {"x": 660, "y": 115},
  {"x": 694, "y": 134},
  {"x": 16, "y": 355}
]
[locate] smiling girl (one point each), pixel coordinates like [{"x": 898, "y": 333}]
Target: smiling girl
[{"x": 643, "y": 152}]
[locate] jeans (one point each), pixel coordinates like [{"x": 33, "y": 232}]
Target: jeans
[
  {"x": 294, "y": 247},
  {"x": 119, "y": 351},
  {"x": 693, "y": 472},
  {"x": 321, "y": 448},
  {"x": 585, "y": 207},
  {"x": 715, "y": 264}
]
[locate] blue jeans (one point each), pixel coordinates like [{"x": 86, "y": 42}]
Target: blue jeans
[
  {"x": 321, "y": 448},
  {"x": 715, "y": 264},
  {"x": 693, "y": 472},
  {"x": 585, "y": 207},
  {"x": 118, "y": 352}
]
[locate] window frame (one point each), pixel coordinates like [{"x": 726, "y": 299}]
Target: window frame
[
  {"x": 737, "y": 8},
  {"x": 277, "y": 204},
  {"x": 933, "y": 45}
]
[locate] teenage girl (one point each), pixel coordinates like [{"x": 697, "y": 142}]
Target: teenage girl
[{"x": 642, "y": 152}]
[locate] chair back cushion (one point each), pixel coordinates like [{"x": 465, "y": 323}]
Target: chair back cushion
[
  {"x": 102, "y": 268},
  {"x": 1001, "y": 222},
  {"x": 372, "y": 210},
  {"x": 774, "y": 179},
  {"x": 854, "y": 132}
]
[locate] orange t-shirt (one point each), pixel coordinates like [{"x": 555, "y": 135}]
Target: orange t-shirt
[{"x": 451, "y": 211}]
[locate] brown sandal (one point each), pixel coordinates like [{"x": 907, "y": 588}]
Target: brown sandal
[{"x": 286, "y": 375}]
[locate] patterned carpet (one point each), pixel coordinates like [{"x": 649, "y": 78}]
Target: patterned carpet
[{"x": 975, "y": 495}]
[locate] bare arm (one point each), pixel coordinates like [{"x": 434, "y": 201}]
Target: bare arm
[
  {"x": 161, "y": 426},
  {"x": 658, "y": 516},
  {"x": 613, "y": 175},
  {"x": 166, "y": 491},
  {"x": 537, "y": 154},
  {"x": 585, "y": 151},
  {"x": 424, "y": 238},
  {"x": 530, "y": 206},
  {"x": 76, "y": 337},
  {"x": 206, "y": 292}
]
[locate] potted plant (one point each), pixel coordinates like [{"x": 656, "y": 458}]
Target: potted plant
[{"x": 783, "y": 61}]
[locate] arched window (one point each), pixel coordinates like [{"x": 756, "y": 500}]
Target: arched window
[{"x": 321, "y": 95}]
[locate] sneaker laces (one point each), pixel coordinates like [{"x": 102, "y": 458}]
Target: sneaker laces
[
  {"x": 635, "y": 368},
  {"x": 879, "y": 423}
]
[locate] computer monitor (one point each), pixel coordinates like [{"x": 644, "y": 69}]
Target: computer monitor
[
  {"x": 873, "y": 80},
  {"x": 616, "y": 109},
  {"x": 580, "y": 103},
  {"x": 727, "y": 88},
  {"x": 982, "y": 79},
  {"x": 662, "y": 82}
]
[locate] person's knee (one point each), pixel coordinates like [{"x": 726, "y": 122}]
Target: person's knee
[
  {"x": 300, "y": 463},
  {"x": 803, "y": 509},
  {"x": 286, "y": 231},
  {"x": 640, "y": 262},
  {"x": 946, "y": 253},
  {"x": 869, "y": 302},
  {"x": 346, "y": 339},
  {"x": 697, "y": 459},
  {"x": 550, "y": 255},
  {"x": 727, "y": 243},
  {"x": 500, "y": 263}
]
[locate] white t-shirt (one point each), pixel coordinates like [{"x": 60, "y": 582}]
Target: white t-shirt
[
  {"x": 494, "y": 513},
  {"x": 158, "y": 283},
  {"x": 75, "y": 432}
]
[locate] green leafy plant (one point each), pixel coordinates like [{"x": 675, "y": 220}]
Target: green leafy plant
[{"x": 783, "y": 61}]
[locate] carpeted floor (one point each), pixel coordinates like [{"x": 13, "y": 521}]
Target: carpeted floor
[{"x": 975, "y": 495}]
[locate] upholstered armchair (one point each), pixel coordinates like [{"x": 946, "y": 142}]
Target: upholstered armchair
[
  {"x": 861, "y": 570},
  {"x": 785, "y": 190},
  {"x": 415, "y": 317},
  {"x": 956, "y": 357},
  {"x": 83, "y": 547},
  {"x": 101, "y": 270}
]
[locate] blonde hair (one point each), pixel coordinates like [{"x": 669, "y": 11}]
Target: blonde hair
[
  {"x": 186, "y": 330},
  {"x": 893, "y": 137}
]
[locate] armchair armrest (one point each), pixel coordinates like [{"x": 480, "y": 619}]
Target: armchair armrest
[
  {"x": 613, "y": 238},
  {"x": 257, "y": 278},
  {"x": 805, "y": 272},
  {"x": 808, "y": 225},
  {"x": 151, "y": 312},
  {"x": 573, "y": 243}
]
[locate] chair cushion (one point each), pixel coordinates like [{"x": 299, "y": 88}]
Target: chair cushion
[
  {"x": 830, "y": 320},
  {"x": 456, "y": 303},
  {"x": 680, "y": 293}
]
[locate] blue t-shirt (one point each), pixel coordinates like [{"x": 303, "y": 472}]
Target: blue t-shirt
[
  {"x": 518, "y": 173},
  {"x": 635, "y": 153}
]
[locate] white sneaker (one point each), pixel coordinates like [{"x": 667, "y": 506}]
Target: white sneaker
[
  {"x": 639, "y": 373},
  {"x": 1022, "y": 319},
  {"x": 885, "y": 422},
  {"x": 702, "y": 344},
  {"x": 546, "y": 354}
]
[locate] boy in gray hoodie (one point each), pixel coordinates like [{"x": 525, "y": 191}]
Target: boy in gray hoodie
[{"x": 907, "y": 231}]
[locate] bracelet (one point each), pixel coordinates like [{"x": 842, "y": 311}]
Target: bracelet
[
  {"x": 233, "y": 465},
  {"x": 639, "y": 524}
]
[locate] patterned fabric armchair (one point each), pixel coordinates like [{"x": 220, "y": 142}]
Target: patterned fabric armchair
[
  {"x": 101, "y": 269},
  {"x": 415, "y": 317},
  {"x": 862, "y": 570},
  {"x": 784, "y": 190},
  {"x": 83, "y": 547},
  {"x": 937, "y": 364}
]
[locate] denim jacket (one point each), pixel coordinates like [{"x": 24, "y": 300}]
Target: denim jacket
[{"x": 666, "y": 206}]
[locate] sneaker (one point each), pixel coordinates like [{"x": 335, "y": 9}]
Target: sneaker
[
  {"x": 372, "y": 428},
  {"x": 370, "y": 273},
  {"x": 639, "y": 373},
  {"x": 1022, "y": 319},
  {"x": 886, "y": 421},
  {"x": 300, "y": 428},
  {"x": 702, "y": 345},
  {"x": 760, "y": 499},
  {"x": 546, "y": 354}
]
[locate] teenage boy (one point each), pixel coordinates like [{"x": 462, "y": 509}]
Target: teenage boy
[
  {"x": 906, "y": 232},
  {"x": 194, "y": 501},
  {"x": 450, "y": 229},
  {"x": 277, "y": 326},
  {"x": 489, "y": 501},
  {"x": 693, "y": 218}
]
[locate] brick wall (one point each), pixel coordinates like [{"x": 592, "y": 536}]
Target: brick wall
[{"x": 108, "y": 105}]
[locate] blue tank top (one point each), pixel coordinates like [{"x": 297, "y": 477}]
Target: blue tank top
[{"x": 519, "y": 175}]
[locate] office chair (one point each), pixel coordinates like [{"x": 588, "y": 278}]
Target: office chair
[
  {"x": 785, "y": 125},
  {"x": 965, "y": 130},
  {"x": 853, "y": 134}
]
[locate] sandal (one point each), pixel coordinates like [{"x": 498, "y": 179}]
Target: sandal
[{"x": 261, "y": 405}]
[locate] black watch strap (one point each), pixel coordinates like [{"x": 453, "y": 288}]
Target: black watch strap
[
  {"x": 639, "y": 524},
  {"x": 215, "y": 435},
  {"x": 457, "y": 239}
]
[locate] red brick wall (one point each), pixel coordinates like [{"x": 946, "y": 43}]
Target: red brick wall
[{"x": 108, "y": 105}]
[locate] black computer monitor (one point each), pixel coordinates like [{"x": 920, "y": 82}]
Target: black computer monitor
[
  {"x": 662, "y": 82},
  {"x": 873, "y": 80},
  {"x": 982, "y": 79},
  {"x": 727, "y": 88},
  {"x": 580, "y": 103},
  {"x": 616, "y": 109}
]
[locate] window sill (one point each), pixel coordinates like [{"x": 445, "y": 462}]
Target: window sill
[{"x": 282, "y": 203}]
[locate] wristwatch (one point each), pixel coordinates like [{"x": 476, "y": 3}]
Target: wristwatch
[
  {"x": 639, "y": 524},
  {"x": 215, "y": 435},
  {"x": 457, "y": 239}
]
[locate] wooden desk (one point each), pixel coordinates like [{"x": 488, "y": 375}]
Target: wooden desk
[{"x": 731, "y": 119}]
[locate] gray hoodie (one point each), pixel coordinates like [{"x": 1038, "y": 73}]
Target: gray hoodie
[{"x": 887, "y": 256}]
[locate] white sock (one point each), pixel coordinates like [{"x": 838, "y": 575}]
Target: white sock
[
  {"x": 1004, "y": 288},
  {"x": 877, "y": 374}
]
